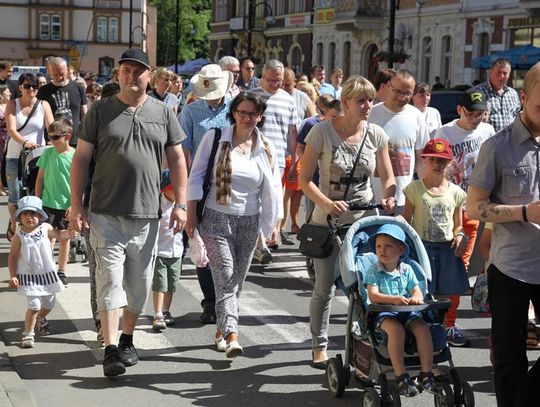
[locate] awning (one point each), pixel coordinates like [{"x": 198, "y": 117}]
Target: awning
[
  {"x": 519, "y": 57},
  {"x": 190, "y": 67}
]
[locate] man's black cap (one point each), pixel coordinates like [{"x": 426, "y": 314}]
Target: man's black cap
[{"x": 135, "y": 55}]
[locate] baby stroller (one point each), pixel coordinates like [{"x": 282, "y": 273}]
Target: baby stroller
[{"x": 365, "y": 347}]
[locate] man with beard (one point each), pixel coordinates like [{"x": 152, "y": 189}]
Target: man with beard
[{"x": 504, "y": 190}]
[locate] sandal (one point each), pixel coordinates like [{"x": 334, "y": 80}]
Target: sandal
[
  {"x": 10, "y": 232},
  {"x": 405, "y": 386}
]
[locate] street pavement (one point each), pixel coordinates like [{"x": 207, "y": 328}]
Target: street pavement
[{"x": 180, "y": 366}]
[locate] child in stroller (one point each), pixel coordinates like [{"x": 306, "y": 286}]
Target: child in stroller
[
  {"x": 367, "y": 348},
  {"x": 391, "y": 281}
]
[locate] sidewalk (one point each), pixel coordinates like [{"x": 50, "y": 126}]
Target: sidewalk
[{"x": 13, "y": 392}]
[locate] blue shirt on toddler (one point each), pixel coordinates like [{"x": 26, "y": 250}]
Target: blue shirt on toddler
[{"x": 400, "y": 282}]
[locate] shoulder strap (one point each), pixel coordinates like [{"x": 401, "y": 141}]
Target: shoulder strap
[
  {"x": 211, "y": 160},
  {"x": 34, "y": 108},
  {"x": 351, "y": 174}
]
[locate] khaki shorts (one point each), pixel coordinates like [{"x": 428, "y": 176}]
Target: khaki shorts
[{"x": 125, "y": 251}]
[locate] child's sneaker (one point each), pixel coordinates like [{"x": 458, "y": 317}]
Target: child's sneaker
[
  {"x": 62, "y": 277},
  {"x": 406, "y": 386},
  {"x": 27, "y": 341},
  {"x": 159, "y": 323},
  {"x": 427, "y": 381},
  {"x": 455, "y": 337},
  {"x": 43, "y": 327},
  {"x": 169, "y": 320}
]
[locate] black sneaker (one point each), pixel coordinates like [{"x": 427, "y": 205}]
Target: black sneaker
[
  {"x": 427, "y": 380},
  {"x": 63, "y": 278},
  {"x": 112, "y": 364},
  {"x": 169, "y": 320},
  {"x": 208, "y": 315},
  {"x": 128, "y": 354}
]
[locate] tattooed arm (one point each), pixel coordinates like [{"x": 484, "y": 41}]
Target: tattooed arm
[{"x": 479, "y": 207}]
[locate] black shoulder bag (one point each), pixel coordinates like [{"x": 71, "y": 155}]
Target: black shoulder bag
[
  {"x": 206, "y": 184},
  {"x": 4, "y": 153},
  {"x": 315, "y": 240}
]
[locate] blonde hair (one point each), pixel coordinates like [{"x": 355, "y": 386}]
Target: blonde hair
[
  {"x": 358, "y": 86},
  {"x": 160, "y": 72},
  {"x": 531, "y": 79},
  {"x": 309, "y": 89}
]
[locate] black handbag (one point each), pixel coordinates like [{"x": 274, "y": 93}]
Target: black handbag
[
  {"x": 206, "y": 184},
  {"x": 317, "y": 241}
]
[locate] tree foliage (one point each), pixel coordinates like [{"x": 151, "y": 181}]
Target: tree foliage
[{"x": 194, "y": 14}]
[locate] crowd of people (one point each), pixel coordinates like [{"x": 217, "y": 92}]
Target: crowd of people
[{"x": 229, "y": 161}]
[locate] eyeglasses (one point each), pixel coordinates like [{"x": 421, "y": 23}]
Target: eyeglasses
[
  {"x": 249, "y": 68},
  {"x": 55, "y": 137},
  {"x": 29, "y": 86},
  {"x": 236, "y": 73},
  {"x": 243, "y": 114},
  {"x": 399, "y": 92},
  {"x": 474, "y": 115}
]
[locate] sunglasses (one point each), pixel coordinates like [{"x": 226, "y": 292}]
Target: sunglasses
[
  {"x": 55, "y": 137},
  {"x": 29, "y": 86}
]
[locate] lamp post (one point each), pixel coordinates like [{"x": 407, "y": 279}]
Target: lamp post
[
  {"x": 178, "y": 38},
  {"x": 130, "y": 23},
  {"x": 252, "y": 6},
  {"x": 394, "y": 5}
]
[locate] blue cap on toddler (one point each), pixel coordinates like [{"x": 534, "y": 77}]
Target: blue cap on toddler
[
  {"x": 393, "y": 231},
  {"x": 30, "y": 203}
]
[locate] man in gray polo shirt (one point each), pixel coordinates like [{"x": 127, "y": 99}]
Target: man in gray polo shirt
[
  {"x": 128, "y": 134},
  {"x": 504, "y": 190}
]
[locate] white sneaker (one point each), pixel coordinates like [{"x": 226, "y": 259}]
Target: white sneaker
[
  {"x": 233, "y": 349},
  {"x": 221, "y": 344},
  {"x": 263, "y": 255},
  {"x": 27, "y": 341}
]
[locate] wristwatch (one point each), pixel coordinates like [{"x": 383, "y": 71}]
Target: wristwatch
[{"x": 180, "y": 206}]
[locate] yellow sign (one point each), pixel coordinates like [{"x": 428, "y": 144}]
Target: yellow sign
[
  {"x": 74, "y": 55},
  {"x": 325, "y": 15},
  {"x": 74, "y": 52},
  {"x": 524, "y": 22}
]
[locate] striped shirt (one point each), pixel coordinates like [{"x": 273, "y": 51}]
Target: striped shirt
[
  {"x": 280, "y": 113},
  {"x": 301, "y": 100},
  {"x": 503, "y": 109},
  {"x": 199, "y": 117}
]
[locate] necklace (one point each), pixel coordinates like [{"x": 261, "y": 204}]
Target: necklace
[{"x": 239, "y": 145}]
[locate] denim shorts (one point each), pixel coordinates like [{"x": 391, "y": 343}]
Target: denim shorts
[
  {"x": 14, "y": 184},
  {"x": 404, "y": 317}
]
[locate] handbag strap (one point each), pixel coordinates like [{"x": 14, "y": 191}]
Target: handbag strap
[
  {"x": 211, "y": 160},
  {"x": 34, "y": 108},
  {"x": 351, "y": 174}
]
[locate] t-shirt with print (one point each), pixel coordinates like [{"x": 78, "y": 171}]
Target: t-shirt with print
[
  {"x": 66, "y": 101},
  {"x": 129, "y": 147},
  {"x": 465, "y": 148},
  {"x": 399, "y": 282},
  {"x": 433, "y": 216},
  {"x": 280, "y": 113},
  {"x": 57, "y": 166},
  {"x": 336, "y": 159},
  {"x": 407, "y": 132}
]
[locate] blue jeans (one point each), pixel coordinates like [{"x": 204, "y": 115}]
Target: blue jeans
[{"x": 14, "y": 184}]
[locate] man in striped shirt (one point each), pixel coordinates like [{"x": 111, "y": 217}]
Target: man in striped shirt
[{"x": 280, "y": 121}]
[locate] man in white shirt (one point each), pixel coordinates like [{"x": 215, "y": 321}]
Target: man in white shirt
[
  {"x": 465, "y": 135},
  {"x": 407, "y": 132}
]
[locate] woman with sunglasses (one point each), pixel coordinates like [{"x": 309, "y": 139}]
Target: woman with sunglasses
[
  {"x": 26, "y": 133},
  {"x": 244, "y": 197}
]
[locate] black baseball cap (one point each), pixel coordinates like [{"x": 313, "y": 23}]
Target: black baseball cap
[
  {"x": 135, "y": 55},
  {"x": 474, "y": 100}
]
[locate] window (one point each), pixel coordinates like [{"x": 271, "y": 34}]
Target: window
[
  {"x": 347, "y": 49},
  {"x": 297, "y": 6},
  {"x": 320, "y": 54},
  {"x": 446, "y": 63},
  {"x": 296, "y": 59},
  {"x": 427, "y": 50},
  {"x": 221, "y": 10},
  {"x": 107, "y": 29},
  {"x": 50, "y": 27},
  {"x": 332, "y": 56}
]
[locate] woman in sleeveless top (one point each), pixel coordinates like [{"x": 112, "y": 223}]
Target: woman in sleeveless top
[{"x": 28, "y": 138}]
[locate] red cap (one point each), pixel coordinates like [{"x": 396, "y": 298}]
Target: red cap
[{"x": 439, "y": 148}]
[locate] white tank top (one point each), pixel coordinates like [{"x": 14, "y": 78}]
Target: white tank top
[{"x": 32, "y": 132}]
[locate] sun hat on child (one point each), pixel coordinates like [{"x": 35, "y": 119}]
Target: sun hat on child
[
  {"x": 393, "y": 231},
  {"x": 30, "y": 203}
]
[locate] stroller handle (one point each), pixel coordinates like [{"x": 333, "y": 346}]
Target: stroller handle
[{"x": 353, "y": 205}]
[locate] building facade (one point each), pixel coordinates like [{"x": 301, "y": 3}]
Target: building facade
[
  {"x": 90, "y": 34},
  {"x": 280, "y": 29}
]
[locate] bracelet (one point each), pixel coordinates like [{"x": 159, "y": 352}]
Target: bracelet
[
  {"x": 460, "y": 233},
  {"x": 524, "y": 213}
]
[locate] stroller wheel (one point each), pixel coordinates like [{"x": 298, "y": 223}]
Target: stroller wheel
[
  {"x": 445, "y": 398},
  {"x": 371, "y": 398},
  {"x": 310, "y": 268},
  {"x": 394, "y": 396},
  {"x": 467, "y": 396},
  {"x": 335, "y": 375}
]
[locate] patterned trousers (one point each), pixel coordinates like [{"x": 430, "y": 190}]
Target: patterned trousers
[{"x": 230, "y": 241}]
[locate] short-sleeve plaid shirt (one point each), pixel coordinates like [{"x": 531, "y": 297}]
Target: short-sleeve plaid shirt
[{"x": 503, "y": 108}]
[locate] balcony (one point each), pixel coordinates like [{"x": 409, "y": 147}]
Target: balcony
[{"x": 360, "y": 14}]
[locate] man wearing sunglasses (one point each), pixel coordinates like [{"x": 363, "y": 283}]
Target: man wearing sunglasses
[
  {"x": 247, "y": 79},
  {"x": 67, "y": 99}
]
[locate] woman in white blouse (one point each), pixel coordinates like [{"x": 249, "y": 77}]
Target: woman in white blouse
[{"x": 244, "y": 197}]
